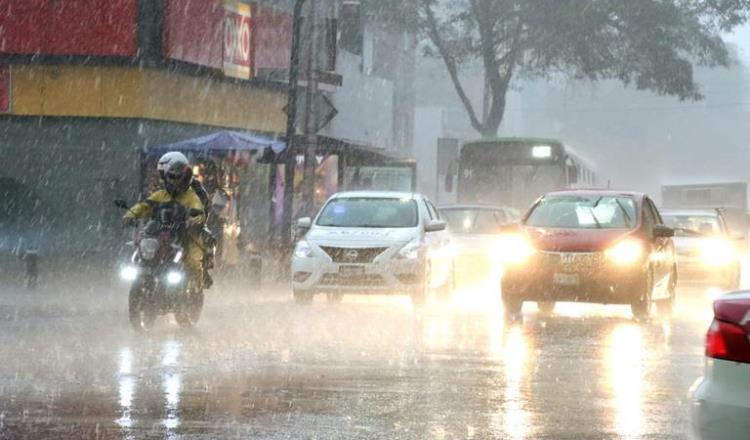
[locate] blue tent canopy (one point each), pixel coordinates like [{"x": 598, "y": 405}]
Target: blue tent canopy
[{"x": 221, "y": 142}]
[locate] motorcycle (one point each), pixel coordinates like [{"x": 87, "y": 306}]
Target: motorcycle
[{"x": 160, "y": 282}]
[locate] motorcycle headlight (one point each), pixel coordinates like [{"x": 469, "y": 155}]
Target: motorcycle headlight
[
  {"x": 513, "y": 249},
  {"x": 148, "y": 248},
  {"x": 410, "y": 251},
  {"x": 303, "y": 249},
  {"x": 717, "y": 252},
  {"x": 129, "y": 273},
  {"x": 625, "y": 252},
  {"x": 175, "y": 277}
]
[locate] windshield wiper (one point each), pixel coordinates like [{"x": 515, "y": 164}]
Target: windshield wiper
[
  {"x": 625, "y": 214},
  {"x": 596, "y": 220}
]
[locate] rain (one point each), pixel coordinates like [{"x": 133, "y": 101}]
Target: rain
[{"x": 374, "y": 219}]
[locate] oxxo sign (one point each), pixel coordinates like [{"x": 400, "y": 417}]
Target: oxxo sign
[{"x": 237, "y": 49}]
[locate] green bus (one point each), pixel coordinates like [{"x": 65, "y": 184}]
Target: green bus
[{"x": 514, "y": 172}]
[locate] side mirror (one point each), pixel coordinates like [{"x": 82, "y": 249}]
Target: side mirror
[
  {"x": 662, "y": 231},
  {"x": 122, "y": 204},
  {"x": 304, "y": 223},
  {"x": 449, "y": 183},
  {"x": 435, "y": 226}
]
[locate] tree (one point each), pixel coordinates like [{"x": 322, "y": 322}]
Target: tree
[{"x": 649, "y": 44}]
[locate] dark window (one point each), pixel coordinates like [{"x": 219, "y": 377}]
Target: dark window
[{"x": 350, "y": 27}]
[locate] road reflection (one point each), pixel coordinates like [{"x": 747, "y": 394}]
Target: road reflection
[{"x": 625, "y": 357}]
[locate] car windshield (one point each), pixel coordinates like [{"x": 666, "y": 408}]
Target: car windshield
[
  {"x": 686, "y": 225},
  {"x": 584, "y": 212},
  {"x": 369, "y": 212},
  {"x": 474, "y": 221}
]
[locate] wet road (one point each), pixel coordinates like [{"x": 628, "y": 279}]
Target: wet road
[{"x": 365, "y": 368}]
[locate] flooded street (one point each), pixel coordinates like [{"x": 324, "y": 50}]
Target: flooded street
[{"x": 260, "y": 366}]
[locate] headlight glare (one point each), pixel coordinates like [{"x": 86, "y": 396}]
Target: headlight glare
[
  {"x": 625, "y": 252},
  {"x": 514, "y": 249},
  {"x": 174, "y": 277},
  {"x": 129, "y": 273},
  {"x": 717, "y": 252}
]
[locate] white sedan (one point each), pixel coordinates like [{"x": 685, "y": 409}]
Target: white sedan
[
  {"x": 373, "y": 242},
  {"x": 720, "y": 400}
]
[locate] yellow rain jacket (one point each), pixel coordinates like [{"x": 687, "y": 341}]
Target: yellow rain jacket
[{"x": 193, "y": 249}]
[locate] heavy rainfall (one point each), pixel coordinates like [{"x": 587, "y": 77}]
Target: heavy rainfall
[{"x": 374, "y": 219}]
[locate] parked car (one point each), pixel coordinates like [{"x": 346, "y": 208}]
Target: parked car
[
  {"x": 589, "y": 246},
  {"x": 475, "y": 229},
  {"x": 720, "y": 400},
  {"x": 706, "y": 250},
  {"x": 373, "y": 243}
]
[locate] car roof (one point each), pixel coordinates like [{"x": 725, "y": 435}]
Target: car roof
[
  {"x": 689, "y": 211},
  {"x": 596, "y": 192},
  {"x": 376, "y": 195},
  {"x": 476, "y": 206}
]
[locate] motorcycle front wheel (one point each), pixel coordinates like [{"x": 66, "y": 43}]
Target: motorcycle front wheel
[
  {"x": 189, "y": 311},
  {"x": 140, "y": 310}
]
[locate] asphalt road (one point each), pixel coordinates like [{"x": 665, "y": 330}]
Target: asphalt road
[{"x": 259, "y": 366}]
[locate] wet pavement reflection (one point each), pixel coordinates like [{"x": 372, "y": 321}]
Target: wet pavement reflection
[{"x": 365, "y": 368}]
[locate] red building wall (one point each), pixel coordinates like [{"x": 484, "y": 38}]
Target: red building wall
[{"x": 80, "y": 27}]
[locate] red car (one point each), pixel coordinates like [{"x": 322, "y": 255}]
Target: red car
[{"x": 590, "y": 246}]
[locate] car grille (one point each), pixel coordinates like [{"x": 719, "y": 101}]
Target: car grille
[
  {"x": 574, "y": 261},
  {"x": 334, "y": 279},
  {"x": 353, "y": 255}
]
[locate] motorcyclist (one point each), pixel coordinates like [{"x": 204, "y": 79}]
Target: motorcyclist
[{"x": 176, "y": 175}]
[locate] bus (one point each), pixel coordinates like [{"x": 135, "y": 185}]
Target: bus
[{"x": 514, "y": 172}]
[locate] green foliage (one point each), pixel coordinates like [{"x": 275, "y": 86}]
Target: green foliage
[{"x": 649, "y": 44}]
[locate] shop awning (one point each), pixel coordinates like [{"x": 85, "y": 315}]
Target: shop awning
[{"x": 219, "y": 143}]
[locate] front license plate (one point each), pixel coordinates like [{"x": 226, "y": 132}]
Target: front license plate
[
  {"x": 566, "y": 279},
  {"x": 351, "y": 271}
]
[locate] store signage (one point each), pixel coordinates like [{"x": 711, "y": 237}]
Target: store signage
[{"x": 237, "y": 40}]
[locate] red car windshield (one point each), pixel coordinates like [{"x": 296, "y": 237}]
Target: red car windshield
[{"x": 584, "y": 212}]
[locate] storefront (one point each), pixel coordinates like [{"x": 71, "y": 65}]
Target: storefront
[{"x": 234, "y": 168}]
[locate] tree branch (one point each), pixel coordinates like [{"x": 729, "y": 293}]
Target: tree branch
[{"x": 451, "y": 66}]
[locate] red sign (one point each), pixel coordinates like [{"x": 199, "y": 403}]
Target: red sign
[
  {"x": 237, "y": 49},
  {"x": 81, "y": 27},
  {"x": 208, "y": 33},
  {"x": 193, "y": 32}
]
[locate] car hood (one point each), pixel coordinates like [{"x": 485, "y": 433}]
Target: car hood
[
  {"x": 575, "y": 240},
  {"x": 360, "y": 237}
]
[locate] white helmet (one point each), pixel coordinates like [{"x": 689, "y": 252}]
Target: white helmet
[{"x": 174, "y": 170}]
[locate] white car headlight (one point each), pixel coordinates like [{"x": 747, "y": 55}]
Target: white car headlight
[
  {"x": 303, "y": 249},
  {"x": 513, "y": 249},
  {"x": 626, "y": 252},
  {"x": 129, "y": 273},
  {"x": 410, "y": 251},
  {"x": 174, "y": 277},
  {"x": 717, "y": 252}
]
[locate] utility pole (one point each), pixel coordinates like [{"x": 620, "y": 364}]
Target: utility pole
[
  {"x": 290, "y": 155},
  {"x": 311, "y": 114}
]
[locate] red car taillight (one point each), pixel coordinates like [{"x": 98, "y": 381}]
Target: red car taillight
[{"x": 728, "y": 342}]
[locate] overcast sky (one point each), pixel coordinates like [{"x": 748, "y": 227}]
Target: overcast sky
[{"x": 741, "y": 37}]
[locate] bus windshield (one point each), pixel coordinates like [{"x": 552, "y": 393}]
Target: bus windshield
[{"x": 584, "y": 212}]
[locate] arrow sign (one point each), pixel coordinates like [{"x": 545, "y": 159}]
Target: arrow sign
[{"x": 322, "y": 107}]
